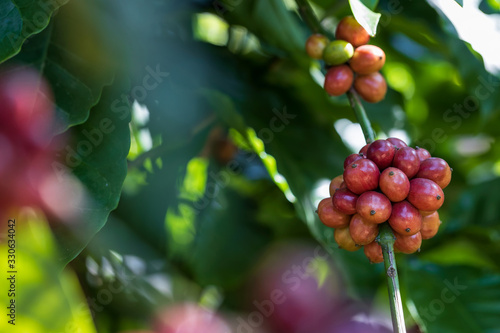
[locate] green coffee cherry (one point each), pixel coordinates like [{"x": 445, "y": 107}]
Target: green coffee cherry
[{"x": 337, "y": 52}]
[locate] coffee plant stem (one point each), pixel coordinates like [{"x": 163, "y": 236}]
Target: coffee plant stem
[
  {"x": 361, "y": 116},
  {"x": 386, "y": 240},
  {"x": 310, "y": 18},
  {"x": 386, "y": 237}
]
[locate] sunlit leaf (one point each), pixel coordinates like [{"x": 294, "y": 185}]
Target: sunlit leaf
[{"x": 366, "y": 17}]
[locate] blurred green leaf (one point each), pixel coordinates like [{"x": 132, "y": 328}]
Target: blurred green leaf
[
  {"x": 366, "y": 17},
  {"x": 97, "y": 156},
  {"x": 453, "y": 298},
  {"x": 22, "y": 19},
  {"x": 73, "y": 56}
]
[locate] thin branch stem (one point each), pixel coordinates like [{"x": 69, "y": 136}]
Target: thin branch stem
[
  {"x": 310, "y": 18},
  {"x": 361, "y": 116},
  {"x": 386, "y": 240}
]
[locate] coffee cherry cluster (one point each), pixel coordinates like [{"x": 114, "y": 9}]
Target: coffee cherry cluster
[
  {"x": 386, "y": 182},
  {"x": 350, "y": 61}
]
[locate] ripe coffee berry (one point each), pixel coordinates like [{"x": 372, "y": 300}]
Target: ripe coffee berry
[
  {"x": 435, "y": 169},
  {"x": 422, "y": 153},
  {"x": 430, "y": 225},
  {"x": 367, "y": 59},
  {"x": 344, "y": 240},
  {"x": 372, "y": 87},
  {"x": 374, "y": 207},
  {"x": 373, "y": 252},
  {"x": 315, "y": 45},
  {"x": 407, "y": 160},
  {"x": 361, "y": 176},
  {"x": 337, "y": 52},
  {"x": 394, "y": 184},
  {"x": 382, "y": 153},
  {"x": 338, "y": 80},
  {"x": 425, "y": 194},
  {"x": 331, "y": 217},
  {"x": 364, "y": 150},
  {"x": 408, "y": 244},
  {"x": 336, "y": 183},
  {"x": 397, "y": 143},
  {"x": 350, "y": 30},
  {"x": 345, "y": 201},
  {"x": 362, "y": 231},
  {"x": 405, "y": 219},
  {"x": 352, "y": 158}
]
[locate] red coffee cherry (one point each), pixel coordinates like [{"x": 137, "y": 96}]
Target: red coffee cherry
[
  {"x": 381, "y": 152},
  {"x": 372, "y": 87},
  {"x": 435, "y": 169},
  {"x": 344, "y": 239},
  {"x": 408, "y": 244},
  {"x": 336, "y": 183},
  {"x": 345, "y": 201},
  {"x": 430, "y": 225},
  {"x": 374, "y": 207},
  {"x": 425, "y": 194},
  {"x": 315, "y": 45},
  {"x": 352, "y": 158},
  {"x": 397, "y": 143},
  {"x": 331, "y": 217},
  {"x": 422, "y": 153},
  {"x": 405, "y": 219},
  {"x": 361, "y": 176},
  {"x": 394, "y": 184},
  {"x": 338, "y": 80},
  {"x": 373, "y": 252},
  {"x": 362, "y": 231},
  {"x": 364, "y": 150},
  {"x": 367, "y": 59},
  {"x": 406, "y": 160},
  {"x": 350, "y": 30}
]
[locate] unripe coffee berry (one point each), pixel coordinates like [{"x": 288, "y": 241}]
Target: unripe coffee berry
[
  {"x": 372, "y": 87},
  {"x": 373, "y": 252},
  {"x": 350, "y": 30},
  {"x": 344, "y": 239},
  {"x": 394, "y": 184},
  {"x": 362, "y": 231},
  {"x": 331, "y": 217},
  {"x": 405, "y": 219},
  {"x": 425, "y": 194},
  {"x": 338, "y": 80},
  {"x": 315, "y": 45},
  {"x": 406, "y": 160},
  {"x": 435, "y": 169},
  {"x": 361, "y": 176},
  {"x": 367, "y": 59},
  {"x": 374, "y": 207},
  {"x": 337, "y": 52}
]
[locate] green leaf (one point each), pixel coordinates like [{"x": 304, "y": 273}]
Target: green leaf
[
  {"x": 20, "y": 20},
  {"x": 47, "y": 300},
  {"x": 367, "y": 18},
  {"x": 460, "y": 2},
  {"x": 97, "y": 156},
  {"x": 73, "y": 56},
  {"x": 453, "y": 298},
  {"x": 372, "y": 4}
]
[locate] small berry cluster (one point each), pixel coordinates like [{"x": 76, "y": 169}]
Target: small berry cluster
[
  {"x": 348, "y": 55},
  {"x": 386, "y": 181}
]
